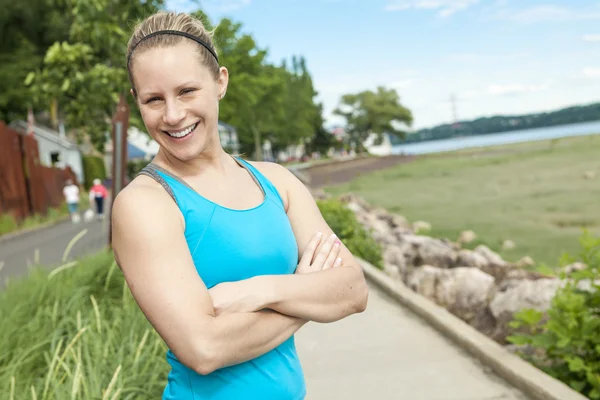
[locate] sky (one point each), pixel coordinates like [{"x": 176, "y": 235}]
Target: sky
[{"x": 493, "y": 57}]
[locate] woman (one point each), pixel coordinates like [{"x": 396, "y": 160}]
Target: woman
[
  {"x": 98, "y": 193},
  {"x": 210, "y": 244}
]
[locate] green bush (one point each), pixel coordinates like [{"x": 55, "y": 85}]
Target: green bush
[
  {"x": 343, "y": 222},
  {"x": 93, "y": 167},
  {"x": 567, "y": 340},
  {"x": 77, "y": 333},
  {"x": 135, "y": 166}
]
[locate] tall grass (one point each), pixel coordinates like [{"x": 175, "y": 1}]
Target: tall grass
[{"x": 77, "y": 334}]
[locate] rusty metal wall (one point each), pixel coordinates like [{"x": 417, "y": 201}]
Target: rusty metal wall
[
  {"x": 13, "y": 192},
  {"x": 26, "y": 186}
]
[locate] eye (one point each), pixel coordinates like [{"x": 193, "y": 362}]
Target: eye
[
  {"x": 151, "y": 100},
  {"x": 188, "y": 90}
]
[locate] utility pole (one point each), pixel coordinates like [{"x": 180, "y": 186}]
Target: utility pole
[{"x": 120, "y": 125}]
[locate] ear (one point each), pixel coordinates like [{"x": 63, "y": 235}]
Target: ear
[
  {"x": 132, "y": 91},
  {"x": 222, "y": 82}
]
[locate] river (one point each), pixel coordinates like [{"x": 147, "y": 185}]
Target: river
[{"x": 494, "y": 139}]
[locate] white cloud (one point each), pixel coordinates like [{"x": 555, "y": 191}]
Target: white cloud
[
  {"x": 549, "y": 13},
  {"x": 592, "y": 73},
  {"x": 444, "y": 8},
  {"x": 514, "y": 88},
  {"x": 591, "y": 37}
]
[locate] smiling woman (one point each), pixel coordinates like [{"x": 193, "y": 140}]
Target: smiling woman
[{"x": 226, "y": 258}]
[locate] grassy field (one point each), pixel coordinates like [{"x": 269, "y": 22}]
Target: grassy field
[{"x": 534, "y": 194}]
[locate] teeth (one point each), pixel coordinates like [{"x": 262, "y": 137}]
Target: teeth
[{"x": 183, "y": 133}]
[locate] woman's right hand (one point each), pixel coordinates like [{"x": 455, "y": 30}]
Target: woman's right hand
[{"x": 317, "y": 258}]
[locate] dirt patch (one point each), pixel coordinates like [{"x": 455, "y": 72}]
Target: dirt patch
[{"x": 333, "y": 174}]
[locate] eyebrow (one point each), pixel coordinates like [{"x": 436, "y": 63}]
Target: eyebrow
[{"x": 178, "y": 88}]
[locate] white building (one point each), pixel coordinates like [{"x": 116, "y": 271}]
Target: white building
[
  {"x": 54, "y": 149},
  {"x": 378, "y": 147}
]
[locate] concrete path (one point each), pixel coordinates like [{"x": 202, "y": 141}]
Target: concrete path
[
  {"x": 48, "y": 246},
  {"x": 387, "y": 352}
]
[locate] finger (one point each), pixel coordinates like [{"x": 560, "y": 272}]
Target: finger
[
  {"x": 324, "y": 252},
  {"x": 310, "y": 249},
  {"x": 333, "y": 255},
  {"x": 338, "y": 263}
]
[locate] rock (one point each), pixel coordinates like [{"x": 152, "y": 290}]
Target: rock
[
  {"x": 425, "y": 250},
  {"x": 468, "y": 258},
  {"x": 574, "y": 267},
  {"x": 508, "y": 245},
  {"x": 352, "y": 198},
  {"x": 492, "y": 257},
  {"x": 423, "y": 280},
  {"x": 515, "y": 296},
  {"x": 589, "y": 174},
  {"x": 466, "y": 237},
  {"x": 496, "y": 266},
  {"x": 515, "y": 274},
  {"x": 525, "y": 262},
  {"x": 392, "y": 271},
  {"x": 464, "y": 291},
  {"x": 393, "y": 255},
  {"x": 421, "y": 226}
]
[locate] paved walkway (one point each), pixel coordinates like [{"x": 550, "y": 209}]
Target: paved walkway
[
  {"x": 48, "y": 246},
  {"x": 389, "y": 353}
]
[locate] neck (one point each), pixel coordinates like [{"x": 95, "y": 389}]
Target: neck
[{"x": 213, "y": 159}]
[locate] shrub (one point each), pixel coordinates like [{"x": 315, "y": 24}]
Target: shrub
[
  {"x": 343, "y": 222},
  {"x": 567, "y": 340},
  {"x": 93, "y": 167},
  {"x": 77, "y": 333}
]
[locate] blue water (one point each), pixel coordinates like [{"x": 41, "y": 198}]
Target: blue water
[{"x": 494, "y": 139}]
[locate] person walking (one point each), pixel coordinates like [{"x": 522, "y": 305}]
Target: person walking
[
  {"x": 99, "y": 194},
  {"x": 71, "y": 194},
  {"x": 226, "y": 258}
]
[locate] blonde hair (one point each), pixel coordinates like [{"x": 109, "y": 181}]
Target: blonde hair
[{"x": 162, "y": 21}]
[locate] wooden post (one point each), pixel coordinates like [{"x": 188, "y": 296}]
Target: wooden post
[{"x": 120, "y": 125}]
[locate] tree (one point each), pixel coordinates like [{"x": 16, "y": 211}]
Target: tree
[
  {"x": 27, "y": 29},
  {"x": 373, "y": 112},
  {"x": 81, "y": 79}
]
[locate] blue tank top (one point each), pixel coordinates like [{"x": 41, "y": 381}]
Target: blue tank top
[{"x": 230, "y": 245}]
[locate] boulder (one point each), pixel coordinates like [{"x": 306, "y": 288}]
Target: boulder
[
  {"x": 508, "y": 245},
  {"x": 466, "y": 237},
  {"x": 464, "y": 291},
  {"x": 516, "y": 295},
  {"x": 468, "y": 258},
  {"x": 421, "y": 226}
]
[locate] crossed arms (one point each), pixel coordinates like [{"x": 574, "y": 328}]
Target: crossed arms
[{"x": 232, "y": 322}]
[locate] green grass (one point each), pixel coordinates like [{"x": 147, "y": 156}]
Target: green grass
[
  {"x": 77, "y": 333},
  {"x": 534, "y": 194}
]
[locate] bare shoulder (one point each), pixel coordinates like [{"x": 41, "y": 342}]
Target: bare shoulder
[
  {"x": 288, "y": 184},
  {"x": 144, "y": 201}
]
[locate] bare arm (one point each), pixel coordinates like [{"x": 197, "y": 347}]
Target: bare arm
[
  {"x": 324, "y": 296},
  {"x": 150, "y": 248}
]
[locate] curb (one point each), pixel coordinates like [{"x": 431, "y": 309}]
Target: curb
[
  {"x": 516, "y": 371},
  {"x": 24, "y": 232}
]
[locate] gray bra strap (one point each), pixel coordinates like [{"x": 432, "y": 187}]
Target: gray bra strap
[{"x": 150, "y": 170}]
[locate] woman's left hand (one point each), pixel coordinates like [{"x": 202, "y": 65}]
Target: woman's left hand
[{"x": 236, "y": 297}]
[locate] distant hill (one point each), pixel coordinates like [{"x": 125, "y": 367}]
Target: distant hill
[{"x": 482, "y": 126}]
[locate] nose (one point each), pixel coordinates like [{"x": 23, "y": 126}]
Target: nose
[{"x": 174, "y": 113}]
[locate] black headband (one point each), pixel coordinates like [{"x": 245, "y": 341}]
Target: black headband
[{"x": 178, "y": 33}]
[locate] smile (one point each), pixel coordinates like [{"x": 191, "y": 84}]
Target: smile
[{"x": 182, "y": 133}]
